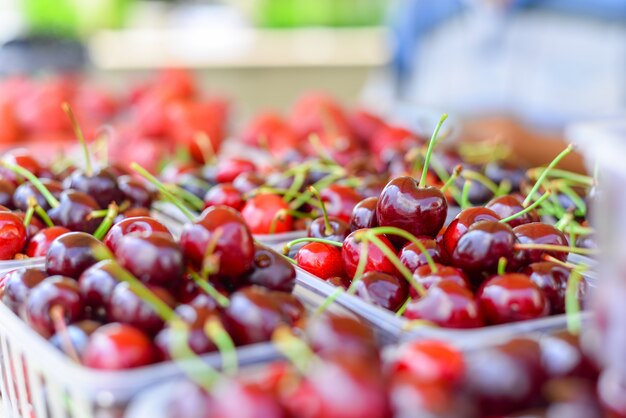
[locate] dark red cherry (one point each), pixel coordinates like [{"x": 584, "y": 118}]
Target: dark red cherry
[
  {"x": 135, "y": 191},
  {"x": 195, "y": 317},
  {"x": 18, "y": 284},
  {"x": 320, "y": 259},
  {"x": 7, "y": 189},
  {"x": 538, "y": 233},
  {"x": 128, "y": 308},
  {"x": 33, "y": 227},
  {"x": 224, "y": 194},
  {"x": 253, "y": 314},
  {"x": 383, "y": 289},
  {"x": 271, "y": 270},
  {"x": 97, "y": 283},
  {"x": 418, "y": 210},
  {"x": 74, "y": 212},
  {"x": 118, "y": 347},
  {"x": 376, "y": 260},
  {"x": 152, "y": 257},
  {"x": 74, "y": 252},
  {"x": 12, "y": 235},
  {"x": 247, "y": 182},
  {"x": 339, "y": 229},
  {"x": 101, "y": 185},
  {"x": 228, "y": 170},
  {"x": 461, "y": 223},
  {"x": 40, "y": 242},
  {"x": 139, "y": 224},
  {"x": 482, "y": 246},
  {"x": 551, "y": 278},
  {"x": 266, "y": 214},
  {"x": 55, "y": 291},
  {"x": 340, "y": 200},
  {"x": 234, "y": 242},
  {"x": 412, "y": 257},
  {"x": 564, "y": 356},
  {"x": 332, "y": 334},
  {"x": 364, "y": 214},
  {"x": 26, "y": 191},
  {"x": 447, "y": 304},
  {"x": 507, "y": 205},
  {"x": 511, "y": 297},
  {"x": 427, "y": 278}
]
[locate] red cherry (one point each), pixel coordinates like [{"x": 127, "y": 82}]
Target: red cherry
[
  {"x": 332, "y": 334},
  {"x": 376, "y": 260},
  {"x": 17, "y": 284},
  {"x": 364, "y": 214},
  {"x": 507, "y": 205},
  {"x": 431, "y": 361},
  {"x": 40, "y": 242},
  {"x": 118, "y": 347},
  {"x": 12, "y": 235},
  {"x": 274, "y": 130},
  {"x": 267, "y": 213},
  {"x": 383, "y": 289},
  {"x": 139, "y": 224},
  {"x": 321, "y": 260},
  {"x": 224, "y": 194},
  {"x": 461, "y": 223},
  {"x": 340, "y": 201},
  {"x": 511, "y": 297},
  {"x": 228, "y": 170},
  {"x": 539, "y": 233},
  {"x": 427, "y": 278},
  {"x": 411, "y": 256},
  {"x": 552, "y": 280},
  {"x": 365, "y": 125}
]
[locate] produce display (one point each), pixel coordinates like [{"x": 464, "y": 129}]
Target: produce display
[{"x": 158, "y": 243}]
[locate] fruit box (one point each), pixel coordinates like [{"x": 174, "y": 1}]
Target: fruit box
[{"x": 37, "y": 380}]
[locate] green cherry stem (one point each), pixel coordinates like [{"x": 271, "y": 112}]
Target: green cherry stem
[
  {"x": 28, "y": 216},
  {"x": 572, "y": 303},
  {"x": 545, "y": 173},
  {"x": 429, "y": 152},
  {"x": 574, "y": 197},
  {"x": 563, "y": 175},
  {"x": 392, "y": 230},
  {"x": 107, "y": 222},
  {"x": 527, "y": 208},
  {"x": 192, "y": 199},
  {"x": 292, "y": 347},
  {"x": 209, "y": 289},
  {"x": 52, "y": 201},
  {"x": 319, "y": 185},
  {"x": 290, "y": 244},
  {"x": 455, "y": 174},
  {"x": 79, "y": 135},
  {"x": 403, "y": 308},
  {"x": 214, "y": 329},
  {"x": 329, "y": 301},
  {"x": 559, "y": 248},
  {"x": 482, "y": 179},
  {"x": 43, "y": 216},
  {"x": 465, "y": 203},
  {"x": 166, "y": 193},
  {"x": 328, "y": 229},
  {"x": 360, "y": 267},
  {"x": 564, "y": 222},
  {"x": 294, "y": 189},
  {"x": 502, "y": 266}
]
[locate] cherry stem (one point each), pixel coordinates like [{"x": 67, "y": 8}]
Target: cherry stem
[
  {"x": 418, "y": 323},
  {"x": 545, "y": 173},
  {"x": 403, "y": 308},
  {"x": 198, "y": 371},
  {"x": 574, "y": 197},
  {"x": 209, "y": 289},
  {"x": 579, "y": 267},
  {"x": 319, "y": 149},
  {"x": 429, "y": 152},
  {"x": 558, "y": 248},
  {"x": 502, "y": 266},
  {"x": 97, "y": 214},
  {"x": 28, "y": 216},
  {"x": 60, "y": 327},
  {"x": 319, "y": 185},
  {"x": 465, "y": 194},
  {"x": 572, "y": 303},
  {"x": 294, "y": 189},
  {"x": 360, "y": 267},
  {"x": 79, "y": 135},
  {"x": 214, "y": 329},
  {"x": 210, "y": 263},
  {"x": 187, "y": 196},
  {"x": 564, "y": 221},
  {"x": 329, "y": 300},
  {"x": 206, "y": 147},
  {"x": 166, "y": 193},
  {"x": 52, "y": 201},
  {"x": 393, "y": 258},
  {"x": 103, "y": 137},
  {"x": 482, "y": 179},
  {"x": 292, "y": 347},
  {"x": 290, "y": 244},
  {"x": 527, "y": 208},
  {"x": 279, "y": 216},
  {"x": 562, "y": 174},
  {"x": 392, "y": 230},
  {"x": 43, "y": 216},
  {"x": 455, "y": 173},
  {"x": 443, "y": 175},
  {"x": 328, "y": 228},
  {"x": 107, "y": 222}
]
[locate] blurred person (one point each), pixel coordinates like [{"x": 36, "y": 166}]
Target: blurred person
[{"x": 519, "y": 70}]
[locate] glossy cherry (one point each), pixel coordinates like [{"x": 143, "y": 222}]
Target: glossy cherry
[
  {"x": 499, "y": 171},
  {"x": 364, "y": 214},
  {"x": 376, "y": 260},
  {"x": 332, "y": 334},
  {"x": 412, "y": 257},
  {"x": 25, "y": 191},
  {"x": 40, "y": 243},
  {"x": 97, "y": 283},
  {"x": 340, "y": 200},
  {"x": 7, "y": 189},
  {"x": 271, "y": 270},
  {"x": 539, "y": 233},
  {"x": 339, "y": 229},
  {"x": 139, "y": 224},
  {"x": 118, "y": 347},
  {"x": 461, "y": 223},
  {"x": 234, "y": 242},
  {"x": 507, "y": 205},
  {"x": 18, "y": 284},
  {"x": 511, "y": 297},
  {"x": 383, "y": 289},
  {"x": 224, "y": 194},
  {"x": 78, "y": 334},
  {"x": 430, "y": 361},
  {"x": 418, "y": 210},
  {"x": 74, "y": 212},
  {"x": 72, "y": 253},
  {"x": 552, "y": 279},
  {"x": 195, "y": 317},
  {"x": 320, "y": 259},
  {"x": 12, "y": 235},
  {"x": 427, "y": 278},
  {"x": 266, "y": 214},
  {"x": 247, "y": 182},
  {"x": 228, "y": 170},
  {"x": 135, "y": 191}
]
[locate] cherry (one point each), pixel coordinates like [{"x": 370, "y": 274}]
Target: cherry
[
  {"x": 228, "y": 170},
  {"x": 74, "y": 252},
  {"x": 100, "y": 184},
  {"x": 74, "y": 212},
  {"x": 136, "y": 192},
  {"x": 253, "y": 314},
  {"x": 247, "y": 182},
  {"x": 118, "y": 347},
  {"x": 224, "y": 194},
  {"x": 364, "y": 214},
  {"x": 234, "y": 244},
  {"x": 461, "y": 223},
  {"x": 196, "y": 317},
  {"x": 160, "y": 262},
  {"x": 551, "y": 278},
  {"x": 499, "y": 171},
  {"x": 12, "y": 235},
  {"x": 246, "y": 400},
  {"x": 20, "y": 157},
  {"x": 563, "y": 356},
  {"x": 338, "y": 281},
  {"x": 482, "y": 246},
  {"x": 403, "y": 203},
  {"x": 139, "y": 224},
  {"x": 511, "y": 297},
  {"x": 412, "y": 257},
  {"x": 340, "y": 201},
  {"x": 193, "y": 184},
  {"x": 320, "y": 259},
  {"x": 376, "y": 260},
  {"x": 538, "y": 233},
  {"x": 447, "y": 304},
  {"x": 430, "y": 361},
  {"x": 267, "y": 214},
  {"x": 18, "y": 284},
  {"x": 383, "y": 290},
  {"x": 7, "y": 189},
  {"x": 54, "y": 291},
  {"x": 128, "y": 308},
  {"x": 78, "y": 334},
  {"x": 507, "y": 205},
  {"x": 427, "y": 278},
  {"x": 40, "y": 243},
  {"x": 26, "y": 191},
  {"x": 332, "y": 334},
  {"x": 97, "y": 283},
  {"x": 271, "y": 270}
]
